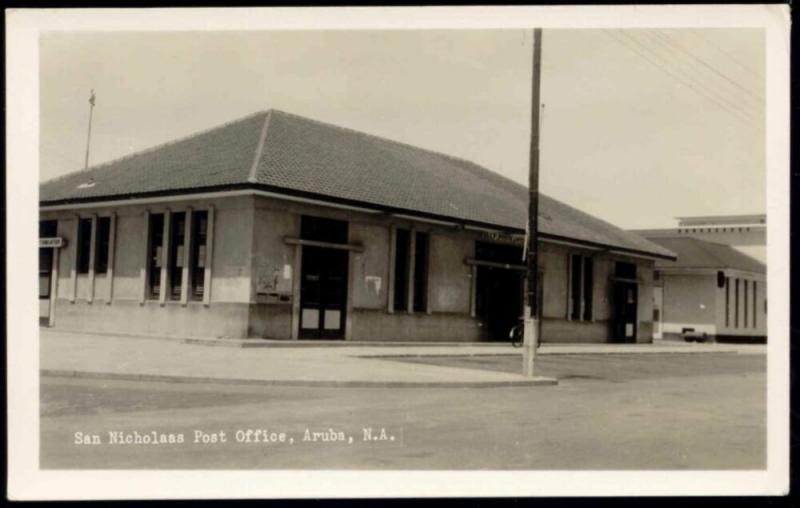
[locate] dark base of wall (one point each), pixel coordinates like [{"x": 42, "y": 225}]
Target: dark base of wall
[
  {"x": 727, "y": 339},
  {"x": 742, "y": 339}
]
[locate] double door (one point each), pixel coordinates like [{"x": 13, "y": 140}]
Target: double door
[{"x": 323, "y": 293}]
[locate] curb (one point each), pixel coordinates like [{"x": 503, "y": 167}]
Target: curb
[
  {"x": 537, "y": 381},
  {"x": 273, "y": 343}
]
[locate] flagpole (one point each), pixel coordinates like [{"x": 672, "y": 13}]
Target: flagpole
[
  {"x": 89, "y": 134},
  {"x": 531, "y": 322}
]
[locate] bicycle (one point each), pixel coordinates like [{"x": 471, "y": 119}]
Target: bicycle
[{"x": 517, "y": 333}]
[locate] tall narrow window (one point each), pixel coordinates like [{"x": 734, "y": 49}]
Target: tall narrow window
[
  {"x": 84, "y": 244},
  {"x": 103, "y": 239},
  {"x": 401, "y": 262},
  {"x": 582, "y": 283},
  {"x": 736, "y": 302},
  {"x": 154, "y": 256},
  {"x": 746, "y": 300},
  {"x": 588, "y": 285},
  {"x": 755, "y": 304},
  {"x": 200, "y": 229},
  {"x": 176, "y": 246},
  {"x": 575, "y": 313},
  {"x": 421, "y": 272},
  {"x": 727, "y": 301}
]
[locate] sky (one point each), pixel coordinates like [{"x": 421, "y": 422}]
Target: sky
[{"x": 637, "y": 126}]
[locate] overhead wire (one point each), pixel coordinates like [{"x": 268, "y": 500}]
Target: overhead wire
[
  {"x": 638, "y": 48},
  {"x": 705, "y": 64}
]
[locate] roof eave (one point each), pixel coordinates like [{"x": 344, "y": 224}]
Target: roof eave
[{"x": 78, "y": 201}]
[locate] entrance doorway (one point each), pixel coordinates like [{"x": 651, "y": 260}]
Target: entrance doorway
[
  {"x": 323, "y": 293},
  {"x": 498, "y": 288},
  {"x": 626, "y": 296},
  {"x": 47, "y": 229},
  {"x": 499, "y": 301},
  {"x": 658, "y": 317},
  {"x": 323, "y": 282},
  {"x": 45, "y": 284},
  {"x": 626, "y": 302}
]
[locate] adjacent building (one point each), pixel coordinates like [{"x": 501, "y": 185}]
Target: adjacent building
[
  {"x": 276, "y": 226},
  {"x": 712, "y": 290},
  {"x": 745, "y": 233}
]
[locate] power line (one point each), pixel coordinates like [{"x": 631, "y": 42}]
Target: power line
[
  {"x": 710, "y": 67},
  {"x": 726, "y": 53},
  {"x": 691, "y": 81},
  {"x": 749, "y": 104},
  {"x": 720, "y": 102}
]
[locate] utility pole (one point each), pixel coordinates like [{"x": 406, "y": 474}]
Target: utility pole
[
  {"x": 89, "y": 134},
  {"x": 531, "y": 322}
]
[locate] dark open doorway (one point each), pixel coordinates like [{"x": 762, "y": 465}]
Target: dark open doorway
[
  {"x": 499, "y": 288},
  {"x": 323, "y": 293},
  {"x": 499, "y": 301},
  {"x": 47, "y": 229},
  {"x": 626, "y": 303},
  {"x": 324, "y": 275}
]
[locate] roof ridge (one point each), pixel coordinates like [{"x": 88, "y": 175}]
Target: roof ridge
[
  {"x": 260, "y": 148},
  {"x": 153, "y": 148}
]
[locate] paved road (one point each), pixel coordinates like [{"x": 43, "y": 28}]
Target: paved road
[{"x": 671, "y": 411}]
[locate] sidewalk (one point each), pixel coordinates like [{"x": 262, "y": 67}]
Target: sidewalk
[
  {"x": 305, "y": 364},
  {"x": 141, "y": 358}
]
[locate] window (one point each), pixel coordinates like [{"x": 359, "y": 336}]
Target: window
[
  {"x": 176, "y": 253},
  {"x": 736, "y": 302},
  {"x": 402, "y": 262},
  {"x": 154, "y": 255},
  {"x": 625, "y": 270},
  {"x": 103, "y": 239},
  {"x": 582, "y": 282},
  {"x": 84, "y": 244},
  {"x": 198, "y": 261},
  {"x": 421, "y": 272},
  {"x": 656, "y": 275},
  {"x": 746, "y": 301},
  {"x": 588, "y": 284},
  {"x": 323, "y": 230},
  {"x": 727, "y": 301},
  {"x": 755, "y": 305},
  {"x": 499, "y": 253}
]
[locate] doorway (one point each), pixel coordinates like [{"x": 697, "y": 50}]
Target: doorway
[
  {"x": 658, "y": 316},
  {"x": 45, "y": 284},
  {"x": 499, "y": 301},
  {"x": 323, "y": 293},
  {"x": 47, "y": 229},
  {"x": 626, "y": 296}
]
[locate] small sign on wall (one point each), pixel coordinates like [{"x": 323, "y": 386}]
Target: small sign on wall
[
  {"x": 55, "y": 241},
  {"x": 274, "y": 280},
  {"x": 374, "y": 283}
]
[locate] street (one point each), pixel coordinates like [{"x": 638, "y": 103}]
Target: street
[{"x": 634, "y": 411}]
